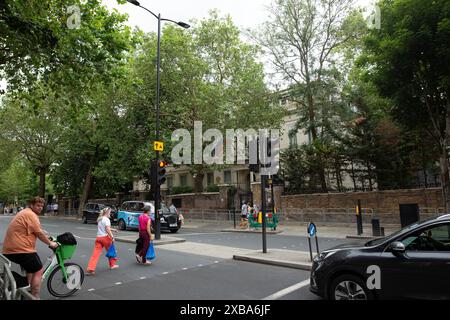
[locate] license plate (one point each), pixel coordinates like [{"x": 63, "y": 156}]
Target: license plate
[{"x": 173, "y": 225}]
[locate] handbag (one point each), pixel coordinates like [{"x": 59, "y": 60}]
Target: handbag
[
  {"x": 150, "y": 252},
  {"x": 111, "y": 252}
]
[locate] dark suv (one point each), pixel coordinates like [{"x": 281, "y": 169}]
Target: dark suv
[
  {"x": 92, "y": 210},
  {"x": 412, "y": 263},
  {"x": 131, "y": 210}
]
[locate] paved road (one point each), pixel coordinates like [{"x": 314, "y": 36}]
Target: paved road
[{"x": 180, "y": 275}]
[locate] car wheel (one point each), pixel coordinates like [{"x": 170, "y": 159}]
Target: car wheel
[
  {"x": 122, "y": 225},
  {"x": 85, "y": 221},
  {"x": 174, "y": 230},
  {"x": 349, "y": 287}
]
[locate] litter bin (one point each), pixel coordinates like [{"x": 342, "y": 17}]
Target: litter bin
[
  {"x": 409, "y": 213},
  {"x": 376, "y": 231}
]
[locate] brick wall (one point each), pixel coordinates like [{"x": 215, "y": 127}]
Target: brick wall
[{"x": 340, "y": 207}]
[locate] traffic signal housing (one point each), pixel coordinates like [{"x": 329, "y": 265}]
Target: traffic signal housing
[{"x": 161, "y": 172}]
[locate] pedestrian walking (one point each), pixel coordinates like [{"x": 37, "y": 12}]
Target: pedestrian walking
[
  {"x": 104, "y": 240},
  {"x": 145, "y": 236},
  {"x": 19, "y": 244},
  {"x": 244, "y": 212}
]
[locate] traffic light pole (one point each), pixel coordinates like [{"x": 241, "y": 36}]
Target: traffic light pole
[
  {"x": 263, "y": 209},
  {"x": 158, "y": 85}
]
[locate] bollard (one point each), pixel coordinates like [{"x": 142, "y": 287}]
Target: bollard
[{"x": 376, "y": 232}]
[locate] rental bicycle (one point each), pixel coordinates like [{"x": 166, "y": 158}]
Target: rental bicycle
[{"x": 64, "y": 278}]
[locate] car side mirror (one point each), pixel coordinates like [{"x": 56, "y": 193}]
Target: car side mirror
[{"x": 397, "y": 247}]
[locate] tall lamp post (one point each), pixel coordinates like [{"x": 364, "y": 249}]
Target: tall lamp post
[{"x": 158, "y": 81}]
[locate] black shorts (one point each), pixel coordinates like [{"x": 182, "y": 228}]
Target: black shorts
[{"x": 29, "y": 261}]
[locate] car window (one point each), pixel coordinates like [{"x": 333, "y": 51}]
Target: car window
[
  {"x": 124, "y": 206},
  {"x": 97, "y": 207},
  {"x": 101, "y": 206},
  {"x": 436, "y": 238},
  {"x": 139, "y": 207}
]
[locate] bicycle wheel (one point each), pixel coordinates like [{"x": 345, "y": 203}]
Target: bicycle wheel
[{"x": 58, "y": 287}]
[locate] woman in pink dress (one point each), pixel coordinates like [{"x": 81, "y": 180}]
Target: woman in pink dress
[{"x": 145, "y": 234}]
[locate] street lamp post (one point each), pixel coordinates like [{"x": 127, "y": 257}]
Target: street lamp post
[{"x": 157, "y": 133}]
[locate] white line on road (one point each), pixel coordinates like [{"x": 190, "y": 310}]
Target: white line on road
[
  {"x": 83, "y": 238},
  {"x": 185, "y": 268},
  {"x": 201, "y": 233},
  {"x": 165, "y": 272},
  {"x": 216, "y": 261},
  {"x": 200, "y": 265},
  {"x": 142, "y": 278},
  {"x": 118, "y": 283},
  {"x": 91, "y": 290},
  {"x": 287, "y": 290}
]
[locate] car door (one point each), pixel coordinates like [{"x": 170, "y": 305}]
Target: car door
[
  {"x": 89, "y": 210},
  {"x": 422, "y": 271},
  {"x": 95, "y": 212}
]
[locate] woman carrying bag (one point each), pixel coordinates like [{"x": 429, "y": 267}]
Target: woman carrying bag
[
  {"x": 145, "y": 236},
  {"x": 105, "y": 239}
]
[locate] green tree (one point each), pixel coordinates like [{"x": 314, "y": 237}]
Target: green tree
[
  {"x": 302, "y": 38},
  {"x": 409, "y": 60}
]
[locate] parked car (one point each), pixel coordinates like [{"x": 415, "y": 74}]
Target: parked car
[
  {"x": 412, "y": 263},
  {"x": 131, "y": 210},
  {"x": 92, "y": 210}
]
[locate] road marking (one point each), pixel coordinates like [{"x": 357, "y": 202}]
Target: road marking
[
  {"x": 118, "y": 283},
  {"x": 91, "y": 290},
  {"x": 216, "y": 261},
  {"x": 200, "y": 265},
  {"x": 287, "y": 290},
  {"x": 83, "y": 238},
  {"x": 84, "y": 228},
  {"x": 201, "y": 233},
  {"x": 284, "y": 247},
  {"x": 165, "y": 272},
  {"x": 142, "y": 278},
  {"x": 185, "y": 268}
]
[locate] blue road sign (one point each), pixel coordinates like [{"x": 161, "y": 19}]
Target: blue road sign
[{"x": 312, "y": 229}]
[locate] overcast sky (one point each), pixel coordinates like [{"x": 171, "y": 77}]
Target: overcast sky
[{"x": 244, "y": 13}]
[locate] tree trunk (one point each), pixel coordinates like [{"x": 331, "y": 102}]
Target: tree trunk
[
  {"x": 444, "y": 160},
  {"x": 87, "y": 187},
  {"x": 42, "y": 173},
  {"x": 198, "y": 182}
]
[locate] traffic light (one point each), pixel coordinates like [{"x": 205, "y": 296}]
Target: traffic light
[{"x": 161, "y": 171}]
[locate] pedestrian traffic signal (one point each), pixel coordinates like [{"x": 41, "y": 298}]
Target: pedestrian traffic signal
[{"x": 161, "y": 171}]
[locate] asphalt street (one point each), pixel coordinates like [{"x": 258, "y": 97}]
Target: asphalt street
[{"x": 178, "y": 275}]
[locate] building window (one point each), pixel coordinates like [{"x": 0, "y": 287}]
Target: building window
[
  {"x": 210, "y": 178},
  {"x": 227, "y": 176},
  {"x": 169, "y": 182},
  {"x": 293, "y": 138},
  {"x": 183, "y": 180}
]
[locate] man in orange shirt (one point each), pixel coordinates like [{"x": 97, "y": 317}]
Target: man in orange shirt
[{"x": 19, "y": 244}]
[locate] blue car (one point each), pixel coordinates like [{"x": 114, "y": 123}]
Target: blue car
[{"x": 130, "y": 211}]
